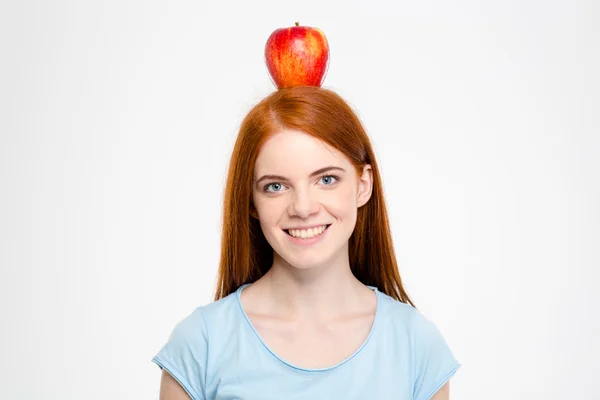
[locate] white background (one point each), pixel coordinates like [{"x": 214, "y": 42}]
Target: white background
[{"x": 117, "y": 119}]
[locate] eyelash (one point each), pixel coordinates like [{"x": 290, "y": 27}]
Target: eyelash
[{"x": 337, "y": 179}]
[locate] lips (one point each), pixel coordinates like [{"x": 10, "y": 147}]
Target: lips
[{"x": 308, "y": 242}]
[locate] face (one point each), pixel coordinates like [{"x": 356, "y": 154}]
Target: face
[{"x": 299, "y": 183}]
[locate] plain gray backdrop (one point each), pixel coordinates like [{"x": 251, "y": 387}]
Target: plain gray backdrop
[{"x": 117, "y": 119}]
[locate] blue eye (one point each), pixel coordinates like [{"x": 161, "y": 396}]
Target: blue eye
[
  {"x": 330, "y": 178},
  {"x": 266, "y": 188}
]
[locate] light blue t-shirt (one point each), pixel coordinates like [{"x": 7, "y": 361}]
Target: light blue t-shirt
[{"x": 216, "y": 354}]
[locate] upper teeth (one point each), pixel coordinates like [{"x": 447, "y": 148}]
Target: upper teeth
[{"x": 307, "y": 233}]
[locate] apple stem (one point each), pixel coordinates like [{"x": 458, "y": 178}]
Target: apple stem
[{"x": 297, "y": 23}]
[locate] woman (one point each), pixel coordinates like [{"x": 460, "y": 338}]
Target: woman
[{"x": 309, "y": 301}]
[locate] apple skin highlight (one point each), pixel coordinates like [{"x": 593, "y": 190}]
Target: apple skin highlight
[{"x": 297, "y": 56}]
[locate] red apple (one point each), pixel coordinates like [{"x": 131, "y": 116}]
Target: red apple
[{"x": 297, "y": 56}]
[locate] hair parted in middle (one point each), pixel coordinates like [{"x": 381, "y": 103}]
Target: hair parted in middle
[{"x": 245, "y": 253}]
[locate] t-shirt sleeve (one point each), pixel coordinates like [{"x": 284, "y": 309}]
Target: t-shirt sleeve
[
  {"x": 184, "y": 355},
  {"x": 434, "y": 361}
]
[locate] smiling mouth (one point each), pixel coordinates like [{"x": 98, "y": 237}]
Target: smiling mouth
[{"x": 307, "y": 237}]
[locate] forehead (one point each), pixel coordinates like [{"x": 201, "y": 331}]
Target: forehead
[{"x": 295, "y": 153}]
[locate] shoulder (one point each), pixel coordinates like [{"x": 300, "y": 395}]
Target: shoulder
[
  {"x": 413, "y": 330},
  {"x": 397, "y": 314},
  {"x": 222, "y": 313},
  {"x": 406, "y": 316},
  {"x": 432, "y": 362},
  {"x": 206, "y": 318},
  {"x": 185, "y": 354},
  {"x": 193, "y": 333}
]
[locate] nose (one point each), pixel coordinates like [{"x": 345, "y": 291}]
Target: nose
[{"x": 303, "y": 204}]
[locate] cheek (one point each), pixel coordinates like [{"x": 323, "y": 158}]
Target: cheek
[
  {"x": 269, "y": 211},
  {"x": 341, "y": 203}
]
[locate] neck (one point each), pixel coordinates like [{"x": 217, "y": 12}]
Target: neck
[{"x": 322, "y": 292}]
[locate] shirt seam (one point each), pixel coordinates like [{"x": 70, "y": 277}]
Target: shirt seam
[
  {"x": 207, "y": 354},
  {"x": 309, "y": 371},
  {"x": 441, "y": 382},
  {"x": 174, "y": 372}
]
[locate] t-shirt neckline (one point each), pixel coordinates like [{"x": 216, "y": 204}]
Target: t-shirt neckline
[{"x": 356, "y": 352}]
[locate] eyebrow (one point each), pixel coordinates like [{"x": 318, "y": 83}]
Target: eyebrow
[{"x": 315, "y": 173}]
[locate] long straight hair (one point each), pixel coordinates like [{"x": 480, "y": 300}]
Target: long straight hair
[{"x": 245, "y": 253}]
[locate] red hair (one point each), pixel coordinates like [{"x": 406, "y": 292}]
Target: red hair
[{"x": 245, "y": 253}]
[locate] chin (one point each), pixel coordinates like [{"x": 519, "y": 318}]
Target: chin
[
  {"x": 305, "y": 261},
  {"x": 305, "y": 265},
  {"x": 300, "y": 261}
]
